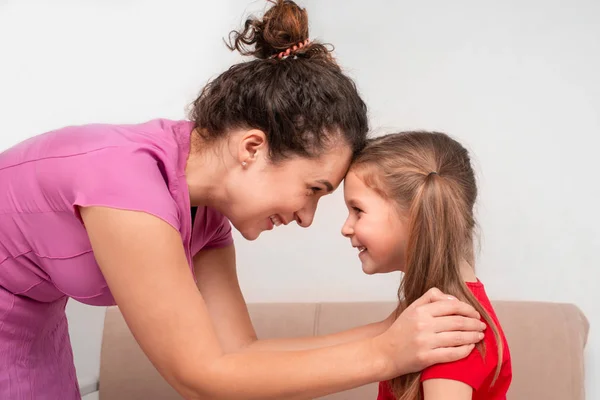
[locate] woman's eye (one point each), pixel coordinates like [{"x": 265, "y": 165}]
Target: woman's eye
[
  {"x": 315, "y": 189},
  {"x": 357, "y": 210}
]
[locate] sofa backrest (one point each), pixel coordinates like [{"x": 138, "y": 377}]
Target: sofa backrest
[{"x": 546, "y": 341}]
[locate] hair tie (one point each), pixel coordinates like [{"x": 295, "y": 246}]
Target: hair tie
[
  {"x": 432, "y": 173},
  {"x": 291, "y": 50}
]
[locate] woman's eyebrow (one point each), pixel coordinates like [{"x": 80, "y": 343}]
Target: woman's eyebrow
[{"x": 327, "y": 184}]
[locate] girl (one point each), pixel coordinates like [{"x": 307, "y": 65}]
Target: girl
[{"x": 410, "y": 198}]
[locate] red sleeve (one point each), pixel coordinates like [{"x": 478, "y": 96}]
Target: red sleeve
[
  {"x": 384, "y": 392},
  {"x": 471, "y": 370}
]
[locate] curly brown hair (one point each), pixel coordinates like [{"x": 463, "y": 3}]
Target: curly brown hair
[{"x": 303, "y": 103}]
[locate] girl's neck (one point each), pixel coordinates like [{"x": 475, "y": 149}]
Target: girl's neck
[{"x": 467, "y": 272}]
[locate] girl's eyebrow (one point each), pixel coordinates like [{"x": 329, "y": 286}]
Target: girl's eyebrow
[{"x": 352, "y": 203}]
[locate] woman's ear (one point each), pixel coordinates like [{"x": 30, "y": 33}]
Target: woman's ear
[{"x": 251, "y": 143}]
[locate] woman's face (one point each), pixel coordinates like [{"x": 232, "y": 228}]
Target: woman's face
[{"x": 266, "y": 195}]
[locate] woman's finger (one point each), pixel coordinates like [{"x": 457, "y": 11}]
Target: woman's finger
[
  {"x": 450, "y": 307},
  {"x": 457, "y": 323},
  {"x": 431, "y": 296},
  {"x": 448, "y": 354},
  {"x": 456, "y": 339}
]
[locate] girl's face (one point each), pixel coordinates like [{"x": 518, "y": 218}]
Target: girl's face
[{"x": 375, "y": 227}]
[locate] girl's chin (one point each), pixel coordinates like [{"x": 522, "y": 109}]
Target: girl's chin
[{"x": 369, "y": 269}]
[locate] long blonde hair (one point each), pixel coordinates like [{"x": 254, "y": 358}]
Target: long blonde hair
[{"x": 430, "y": 178}]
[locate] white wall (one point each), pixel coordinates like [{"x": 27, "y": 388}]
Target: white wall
[{"x": 516, "y": 81}]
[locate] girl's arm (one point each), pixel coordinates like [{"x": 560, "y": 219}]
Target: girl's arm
[
  {"x": 144, "y": 264},
  {"x": 446, "y": 389}
]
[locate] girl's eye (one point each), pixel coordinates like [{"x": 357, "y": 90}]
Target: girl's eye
[
  {"x": 357, "y": 210},
  {"x": 315, "y": 189}
]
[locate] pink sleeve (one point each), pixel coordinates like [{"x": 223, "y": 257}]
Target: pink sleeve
[
  {"x": 222, "y": 236},
  {"x": 128, "y": 179},
  {"x": 212, "y": 230}
]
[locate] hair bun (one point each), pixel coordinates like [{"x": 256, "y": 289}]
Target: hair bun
[{"x": 283, "y": 25}]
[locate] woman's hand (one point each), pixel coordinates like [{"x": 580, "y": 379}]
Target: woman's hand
[{"x": 434, "y": 329}]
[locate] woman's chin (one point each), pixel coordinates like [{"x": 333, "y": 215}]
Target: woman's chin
[{"x": 251, "y": 235}]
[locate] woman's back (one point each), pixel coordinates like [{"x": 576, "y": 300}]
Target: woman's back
[
  {"x": 45, "y": 253},
  {"x": 46, "y": 177}
]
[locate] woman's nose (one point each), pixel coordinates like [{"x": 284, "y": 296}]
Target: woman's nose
[{"x": 304, "y": 217}]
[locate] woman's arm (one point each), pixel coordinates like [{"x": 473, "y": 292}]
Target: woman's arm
[
  {"x": 218, "y": 284},
  {"x": 143, "y": 261},
  {"x": 314, "y": 342},
  {"x": 446, "y": 389},
  {"x": 217, "y": 280}
]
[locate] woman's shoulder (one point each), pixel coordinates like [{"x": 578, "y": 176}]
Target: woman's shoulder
[
  {"x": 134, "y": 167},
  {"x": 158, "y": 136}
]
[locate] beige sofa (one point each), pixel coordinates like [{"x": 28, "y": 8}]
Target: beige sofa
[{"x": 547, "y": 342}]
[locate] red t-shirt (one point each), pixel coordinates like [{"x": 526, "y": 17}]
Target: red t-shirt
[{"x": 474, "y": 370}]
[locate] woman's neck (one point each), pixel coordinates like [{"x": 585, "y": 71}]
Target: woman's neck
[{"x": 206, "y": 172}]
